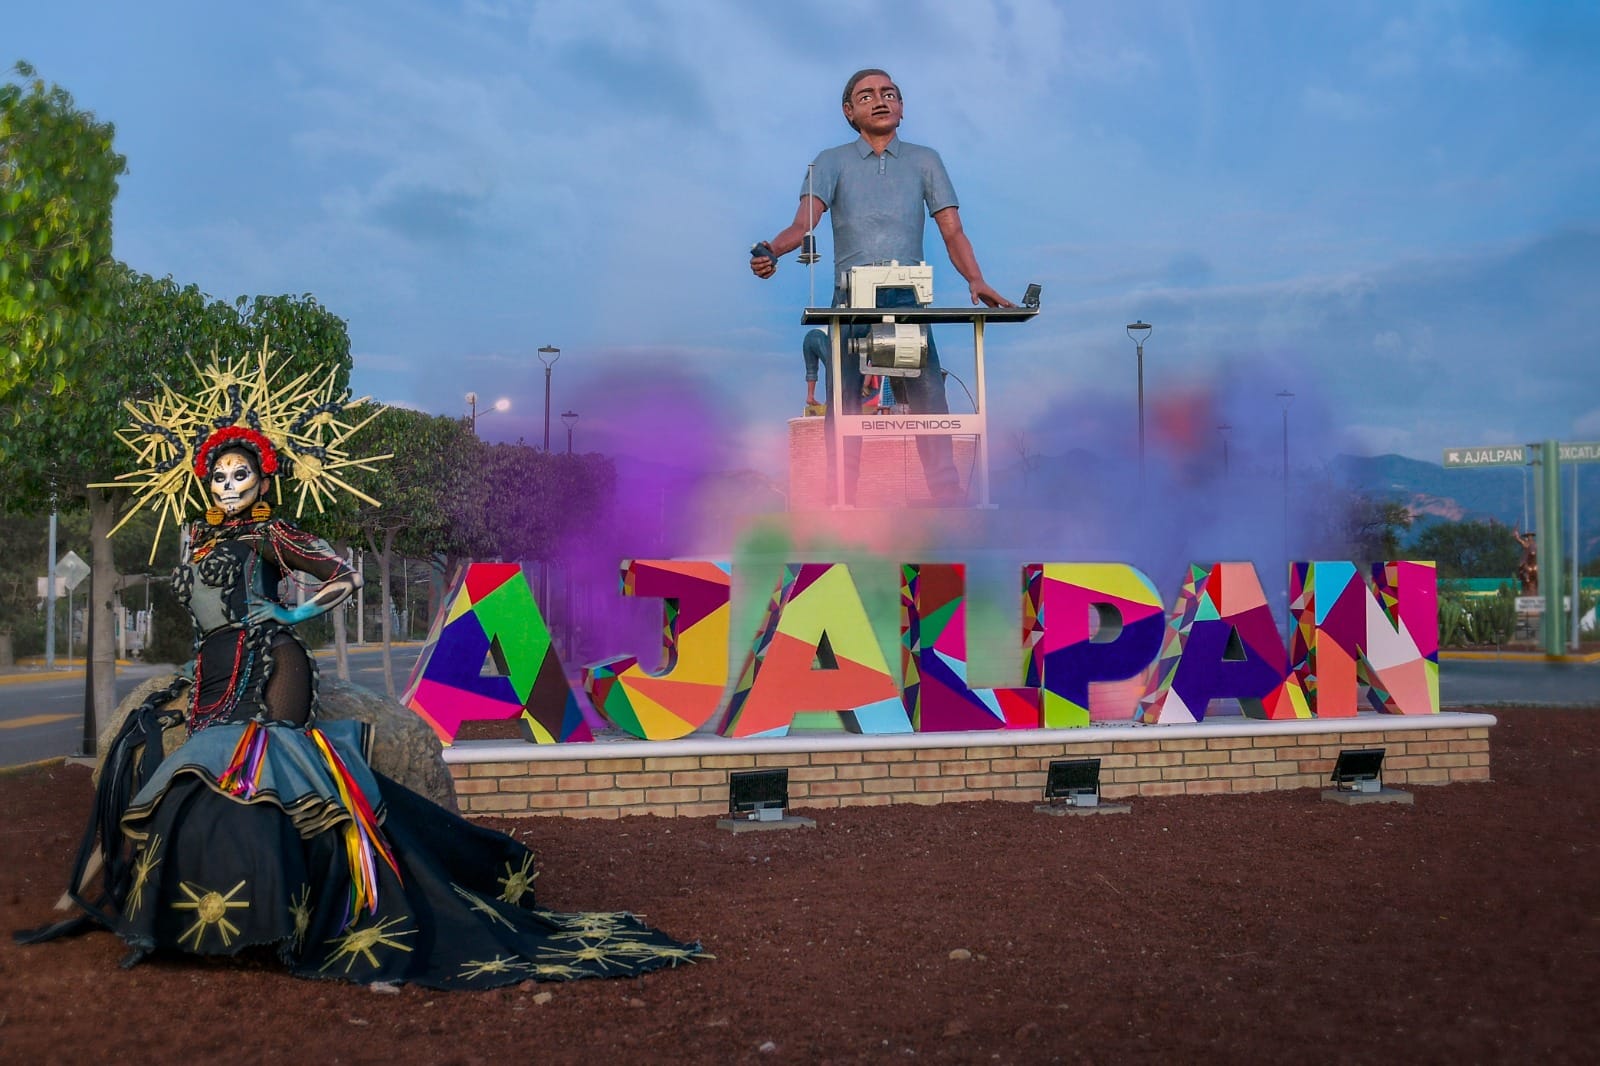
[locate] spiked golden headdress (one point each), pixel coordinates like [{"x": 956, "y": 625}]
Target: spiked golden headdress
[{"x": 299, "y": 431}]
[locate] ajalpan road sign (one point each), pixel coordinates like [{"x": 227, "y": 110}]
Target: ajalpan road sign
[{"x": 1517, "y": 455}]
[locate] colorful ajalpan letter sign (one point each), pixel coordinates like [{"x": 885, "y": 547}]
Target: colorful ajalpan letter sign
[
  {"x": 490, "y": 612},
  {"x": 1067, "y": 656},
  {"x": 815, "y": 652},
  {"x": 1385, "y": 634},
  {"x": 1222, "y": 641},
  {"x": 933, "y": 658},
  {"x": 685, "y": 694},
  {"x": 816, "y": 663}
]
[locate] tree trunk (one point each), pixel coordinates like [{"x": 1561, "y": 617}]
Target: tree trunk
[
  {"x": 341, "y": 643},
  {"x": 443, "y": 569},
  {"x": 341, "y": 658},
  {"x": 384, "y": 555},
  {"x": 103, "y": 591}
]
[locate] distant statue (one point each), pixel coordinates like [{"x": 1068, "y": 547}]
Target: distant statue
[{"x": 1528, "y": 569}]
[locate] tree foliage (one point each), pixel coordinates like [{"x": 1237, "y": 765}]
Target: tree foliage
[
  {"x": 1374, "y": 526},
  {"x": 58, "y": 178},
  {"x": 426, "y": 490},
  {"x": 70, "y": 314},
  {"x": 153, "y": 332},
  {"x": 533, "y": 500},
  {"x": 1468, "y": 549}
]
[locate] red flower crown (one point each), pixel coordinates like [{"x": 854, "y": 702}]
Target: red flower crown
[{"x": 238, "y": 436}]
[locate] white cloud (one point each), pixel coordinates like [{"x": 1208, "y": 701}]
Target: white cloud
[
  {"x": 1434, "y": 36},
  {"x": 1342, "y": 106},
  {"x": 1587, "y": 424}
]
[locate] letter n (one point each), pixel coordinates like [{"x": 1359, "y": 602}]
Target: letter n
[{"x": 1384, "y": 634}]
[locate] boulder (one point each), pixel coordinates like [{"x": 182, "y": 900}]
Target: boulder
[{"x": 404, "y": 747}]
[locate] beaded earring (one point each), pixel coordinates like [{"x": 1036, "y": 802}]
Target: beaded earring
[
  {"x": 261, "y": 511},
  {"x": 214, "y": 515}
]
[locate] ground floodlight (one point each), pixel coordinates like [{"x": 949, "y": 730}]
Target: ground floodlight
[
  {"x": 1075, "y": 782},
  {"x": 758, "y": 795},
  {"x": 1072, "y": 786},
  {"x": 1359, "y": 770}
]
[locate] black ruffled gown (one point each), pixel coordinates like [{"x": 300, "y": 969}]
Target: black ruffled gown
[{"x": 266, "y": 828}]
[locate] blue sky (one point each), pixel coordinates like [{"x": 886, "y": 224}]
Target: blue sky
[{"x": 1392, "y": 209}]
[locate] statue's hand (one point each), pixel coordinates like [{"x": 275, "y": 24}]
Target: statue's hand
[{"x": 267, "y": 610}]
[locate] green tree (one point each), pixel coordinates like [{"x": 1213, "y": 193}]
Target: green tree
[
  {"x": 426, "y": 493},
  {"x": 532, "y": 499},
  {"x": 60, "y": 443},
  {"x": 1373, "y": 528},
  {"x": 1468, "y": 549},
  {"x": 58, "y": 178}
]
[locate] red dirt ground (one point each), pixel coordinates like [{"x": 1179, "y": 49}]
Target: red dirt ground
[{"x": 1258, "y": 928}]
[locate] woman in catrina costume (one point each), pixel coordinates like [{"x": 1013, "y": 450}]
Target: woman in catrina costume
[{"x": 270, "y": 829}]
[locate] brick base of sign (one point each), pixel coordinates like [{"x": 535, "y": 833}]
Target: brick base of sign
[{"x": 1134, "y": 761}]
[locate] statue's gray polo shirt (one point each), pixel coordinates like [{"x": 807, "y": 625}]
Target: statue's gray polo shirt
[{"x": 876, "y": 201}]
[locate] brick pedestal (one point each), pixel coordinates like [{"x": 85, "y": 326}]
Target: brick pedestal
[{"x": 690, "y": 777}]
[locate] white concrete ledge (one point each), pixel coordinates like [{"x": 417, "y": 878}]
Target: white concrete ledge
[{"x": 477, "y": 751}]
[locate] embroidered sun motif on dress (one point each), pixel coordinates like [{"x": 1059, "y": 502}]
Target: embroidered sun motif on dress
[
  {"x": 596, "y": 925},
  {"x": 211, "y": 909},
  {"x": 596, "y": 954},
  {"x": 364, "y": 942},
  {"x": 642, "y": 950},
  {"x": 300, "y": 911},
  {"x": 481, "y": 905},
  {"x": 143, "y": 867},
  {"x": 517, "y": 883},
  {"x": 497, "y": 965}
]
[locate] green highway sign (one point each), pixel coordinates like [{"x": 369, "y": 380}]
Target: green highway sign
[
  {"x": 1586, "y": 452},
  {"x": 1513, "y": 455},
  {"x": 1517, "y": 455}
]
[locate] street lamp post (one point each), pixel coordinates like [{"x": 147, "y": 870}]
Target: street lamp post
[
  {"x": 1286, "y": 398},
  {"x": 50, "y": 595},
  {"x": 1139, "y": 332},
  {"x": 569, "y": 419},
  {"x": 548, "y": 356},
  {"x": 502, "y": 404}
]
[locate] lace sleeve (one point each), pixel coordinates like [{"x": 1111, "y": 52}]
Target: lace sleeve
[{"x": 293, "y": 549}]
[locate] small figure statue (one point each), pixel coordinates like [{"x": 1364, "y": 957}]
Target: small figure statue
[{"x": 1528, "y": 569}]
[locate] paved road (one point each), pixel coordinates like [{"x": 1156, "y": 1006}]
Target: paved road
[
  {"x": 41, "y": 719},
  {"x": 1469, "y": 683}
]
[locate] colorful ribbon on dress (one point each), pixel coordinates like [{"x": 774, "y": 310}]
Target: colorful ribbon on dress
[
  {"x": 243, "y": 775},
  {"x": 362, "y": 837}
]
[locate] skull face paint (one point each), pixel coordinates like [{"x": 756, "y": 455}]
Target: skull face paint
[{"x": 235, "y": 484}]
